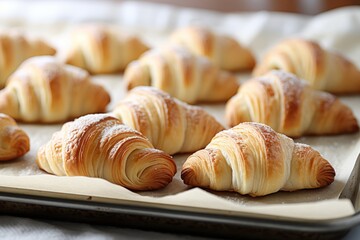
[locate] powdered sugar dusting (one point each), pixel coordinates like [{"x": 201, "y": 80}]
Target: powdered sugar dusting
[{"x": 90, "y": 119}]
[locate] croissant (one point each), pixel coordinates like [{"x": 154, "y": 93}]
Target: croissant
[
  {"x": 224, "y": 51},
  {"x": 290, "y": 106},
  {"x": 15, "y": 48},
  {"x": 170, "y": 125},
  {"x": 45, "y": 90},
  {"x": 183, "y": 75},
  {"x": 102, "y": 49},
  {"x": 98, "y": 145},
  {"x": 251, "y": 158},
  {"x": 14, "y": 142},
  {"x": 323, "y": 69}
]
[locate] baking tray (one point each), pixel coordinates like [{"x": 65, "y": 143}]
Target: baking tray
[
  {"x": 174, "y": 220},
  {"x": 183, "y": 221}
]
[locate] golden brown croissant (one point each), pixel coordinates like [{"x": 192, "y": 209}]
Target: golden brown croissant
[
  {"x": 185, "y": 76},
  {"x": 15, "y": 48},
  {"x": 102, "y": 49},
  {"x": 290, "y": 106},
  {"x": 323, "y": 69},
  {"x": 98, "y": 145},
  {"x": 170, "y": 125},
  {"x": 251, "y": 158},
  {"x": 224, "y": 51},
  {"x": 14, "y": 142},
  {"x": 44, "y": 90}
]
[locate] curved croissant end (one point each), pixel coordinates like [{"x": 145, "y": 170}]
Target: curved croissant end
[
  {"x": 14, "y": 142},
  {"x": 308, "y": 169},
  {"x": 98, "y": 145},
  {"x": 169, "y": 124},
  {"x": 137, "y": 75},
  {"x": 251, "y": 158},
  {"x": 201, "y": 169},
  {"x": 183, "y": 75}
]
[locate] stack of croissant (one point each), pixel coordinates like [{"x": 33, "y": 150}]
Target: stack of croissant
[{"x": 132, "y": 144}]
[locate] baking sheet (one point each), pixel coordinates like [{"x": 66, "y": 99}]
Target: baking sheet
[{"x": 256, "y": 30}]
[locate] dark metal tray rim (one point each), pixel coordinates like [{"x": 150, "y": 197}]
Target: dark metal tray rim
[{"x": 154, "y": 218}]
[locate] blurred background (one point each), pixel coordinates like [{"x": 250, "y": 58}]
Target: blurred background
[{"x": 309, "y": 7}]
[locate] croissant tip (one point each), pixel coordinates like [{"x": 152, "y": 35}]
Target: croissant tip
[
  {"x": 155, "y": 176},
  {"x": 349, "y": 119},
  {"x": 187, "y": 175},
  {"x": 352, "y": 125},
  {"x": 355, "y": 127},
  {"x": 22, "y": 148},
  {"x": 326, "y": 175}
]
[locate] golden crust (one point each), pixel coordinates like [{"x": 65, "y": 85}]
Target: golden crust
[
  {"x": 224, "y": 51},
  {"x": 251, "y": 158},
  {"x": 183, "y": 75},
  {"x": 170, "y": 125},
  {"x": 98, "y": 145},
  {"x": 323, "y": 69},
  {"x": 44, "y": 90},
  {"x": 288, "y": 104},
  {"x": 15, "y": 47},
  {"x": 102, "y": 49},
  {"x": 305, "y": 159},
  {"x": 14, "y": 142}
]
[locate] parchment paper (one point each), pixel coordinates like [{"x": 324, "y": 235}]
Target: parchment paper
[{"x": 53, "y": 20}]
